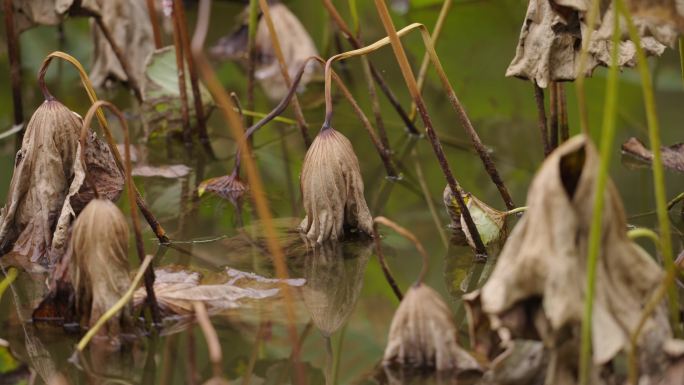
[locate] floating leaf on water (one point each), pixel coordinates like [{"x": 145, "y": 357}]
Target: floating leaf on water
[
  {"x": 551, "y": 39},
  {"x": 176, "y": 290},
  {"x": 332, "y": 189},
  {"x": 546, "y": 256},
  {"x": 170, "y": 171},
  {"x": 330, "y": 305},
  {"x": 129, "y": 25},
  {"x": 423, "y": 334},
  {"x": 99, "y": 265},
  {"x": 672, "y": 156},
  {"x": 161, "y": 94}
]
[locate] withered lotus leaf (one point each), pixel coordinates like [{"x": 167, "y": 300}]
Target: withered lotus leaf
[
  {"x": 43, "y": 172},
  {"x": 672, "y": 156},
  {"x": 228, "y": 187},
  {"x": 129, "y": 25},
  {"x": 332, "y": 189},
  {"x": 490, "y": 223},
  {"x": 552, "y": 35},
  {"x": 543, "y": 265},
  {"x": 99, "y": 264},
  {"x": 423, "y": 334}
]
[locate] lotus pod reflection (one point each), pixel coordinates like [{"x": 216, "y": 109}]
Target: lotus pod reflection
[
  {"x": 331, "y": 304},
  {"x": 332, "y": 189},
  {"x": 423, "y": 334},
  {"x": 99, "y": 264}
]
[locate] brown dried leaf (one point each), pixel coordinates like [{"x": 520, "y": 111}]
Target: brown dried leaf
[
  {"x": 551, "y": 38},
  {"x": 228, "y": 187},
  {"x": 544, "y": 261},
  {"x": 423, "y": 334},
  {"x": 28, "y": 13},
  {"x": 331, "y": 304},
  {"x": 129, "y": 25},
  {"x": 672, "y": 156},
  {"x": 170, "y": 171},
  {"x": 176, "y": 290},
  {"x": 99, "y": 265},
  {"x": 295, "y": 43},
  {"x": 332, "y": 189}
]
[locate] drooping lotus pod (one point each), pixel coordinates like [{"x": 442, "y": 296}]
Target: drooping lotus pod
[
  {"x": 332, "y": 189},
  {"x": 99, "y": 264},
  {"x": 47, "y": 190},
  {"x": 423, "y": 334}
]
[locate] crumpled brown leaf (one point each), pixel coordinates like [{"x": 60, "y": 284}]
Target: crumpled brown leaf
[
  {"x": 332, "y": 189},
  {"x": 541, "y": 270},
  {"x": 229, "y": 187},
  {"x": 99, "y": 267},
  {"x": 176, "y": 290},
  {"x": 344, "y": 264},
  {"x": 672, "y": 156},
  {"x": 47, "y": 189},
  {"x": 28, "y": 13},
  {"x": 295, "y": 43},
  {"x": 129, "y": 24},
  {"x": 551, "y": 39},
  {"x": 423, "y": 334}
]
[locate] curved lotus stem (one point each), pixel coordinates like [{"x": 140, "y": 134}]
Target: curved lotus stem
[
  {"x": 85, "y": 80},
  {"x": 149, "y": 273},
  {"x": 411, "y": 237}
]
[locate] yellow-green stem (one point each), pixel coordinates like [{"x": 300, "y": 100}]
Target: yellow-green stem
[
  {"x": 595, "y": 234},
  {"x": 658, "y": 172},
  {"x": 11, "y": 275}
]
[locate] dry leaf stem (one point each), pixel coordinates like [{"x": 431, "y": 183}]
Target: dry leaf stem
[
  {"x": 422, "y": 110},
  {"x": 541, "y": 117},
  {"x": 357, "y": 44},
  {"x": 200, "y": 116},
  {"x": 591, "y": 18},
  {"x": 251, "y": 56},
  {"x": 383, "y": 264},
  {"x": 85, "y": 81},
  {"x": 14, "y": 56},
  {"x": 596, "y": 230},
  {"x": 428, "y": 198},
  {"x": 436, "y": 32},
  {"x": 253, "y": 177},
  {"x": 553, "y": 116},
  {"x": 210, "y": 335},
  {"x": 563, "y": 114},
  {"x": 657, "y": 165},
  {"x": 152, "y": 10},
  {"x": 299, "y": 115},
  {"x": 140, "y": 248},
  {"x": 180, "y": 69},
  {"x": 406, "y": 233}
]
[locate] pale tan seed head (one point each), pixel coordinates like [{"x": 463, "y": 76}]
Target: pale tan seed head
[
  {"x": 423, "y": 334},
  {"x": 332, "y": 189},
  {"x": 99, "y": 265}
]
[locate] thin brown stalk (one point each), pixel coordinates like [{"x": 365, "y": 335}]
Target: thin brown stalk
[
  {"x": 436, "y": 32},
  {"x": 406, "y": 233},
  {"x": 90, "y": 91},
  {"x": 553, "y": 107},
  {"x": 132, "y": 81},
  {"x": 541, "y": 118},
  {"x": 563, "y": 108},
  {"x": 251, "y": 57},
  {"x": 152, "y": 10},
  {"x": 590, "y": 19},
  {"x": 375, "y": 104},
  {"x": 140, "y": 248},
  {"x": 180, "y": 67},
  {"x": 356, "y": 43},
  {"x": 253, "y": 177},
  {"x": 14, "y": 56},
  {"x": 299, "y": 115},
  {"x": 210, "y": 335},
  {"x": 194, "y": 81},
  {"x": 432, "y": 136},
  {"x": 383, "y": 264},
  {"x": 428, "y": 198}
]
